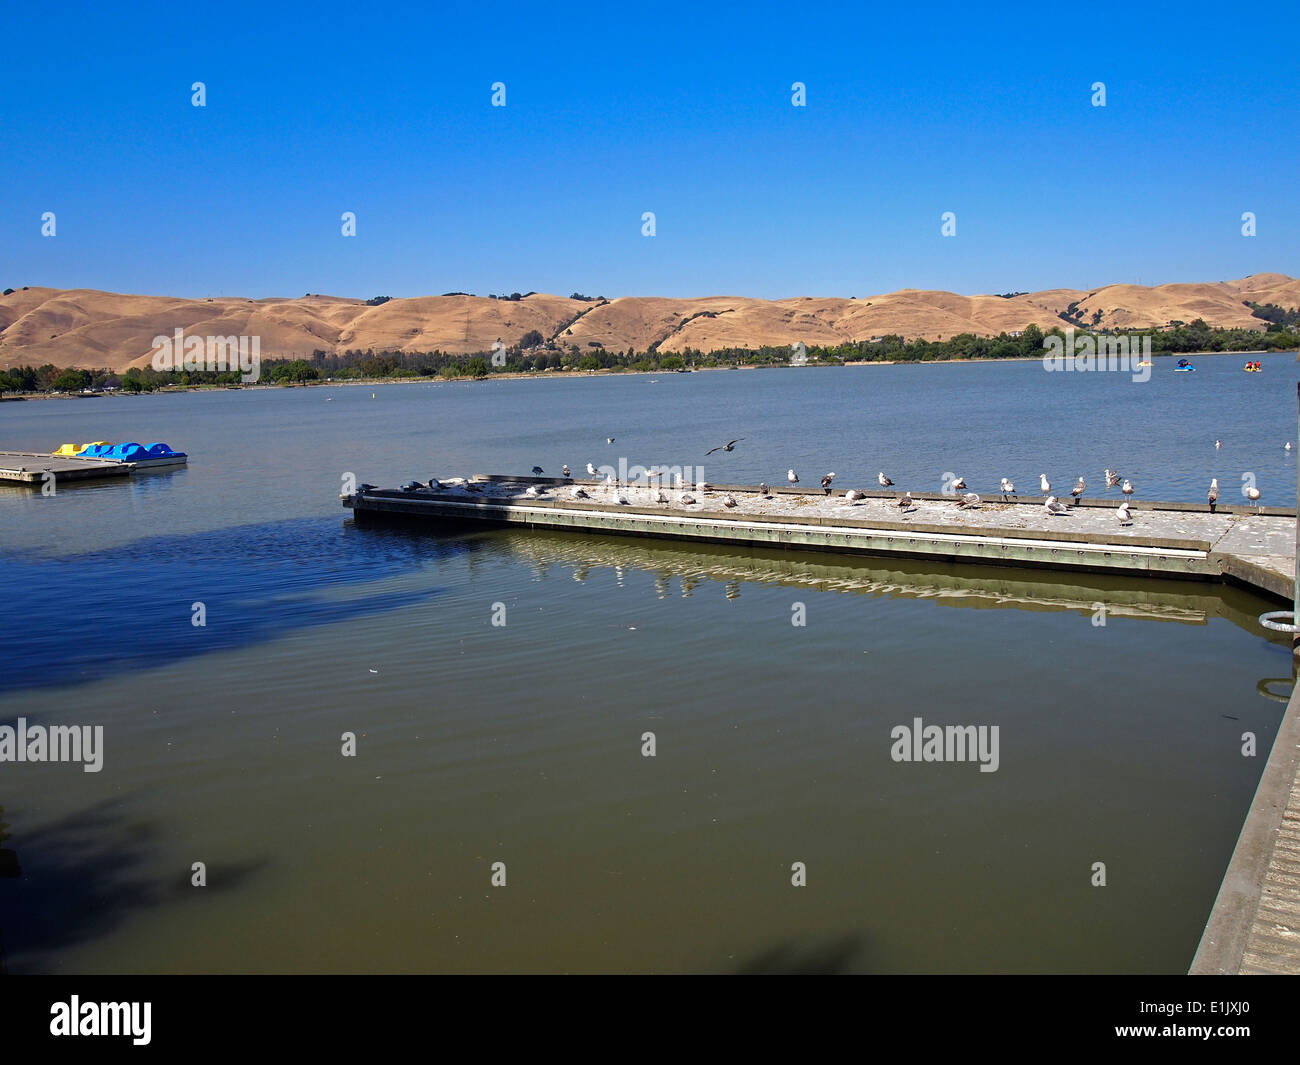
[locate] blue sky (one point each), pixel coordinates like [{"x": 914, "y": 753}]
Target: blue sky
[{"x": 614, "y": 110}]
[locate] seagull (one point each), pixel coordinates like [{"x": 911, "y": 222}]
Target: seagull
[
  {"x": 1288, "y": 445},
  {"x": 885, "y": 482},
  {"x": 580, "y": 493},
  {"x": 1112, "y": 479},
  {"x": 1008, "y": 489},
  {"x": 763, "y": 490},
  {"x": 1214, "y": 493},
  {"x": 703, "y": 486},
  {"x": 661, "y": 498},
  {"x": 1127, "y": 487},
  {"x": 609, "y": 439},
  {"x": 958, "y": 484},
  {"x": 724, "y": 447},
  {"x": 1044, "y": 485},
  {"x": 729, "y": 502},
  {"x": 1055, "y": 506},
  {"x": 591, "y": 470},
  {"x": 565, "y": 470},
  {"x": 434, "y": 484},
  {"x": 826, "y": 482},
  {"x": 1122, "y": 514},
  {"x": 1077, "y": 490},
  {"x": 907, "y": 503},
  {"x": 1218, "y": 444},
  {"x": 686, "y": 500},
  {"x": 1253, "y": 493},
  {"x": 970, "y": 499},
  {"x": 621, "y": 499},
  {"x": 853, "y": 495},
  {"x": 531, "y": 490},
  {"x": 537, "y": 470},
  {"x": 792, "y": 477}
]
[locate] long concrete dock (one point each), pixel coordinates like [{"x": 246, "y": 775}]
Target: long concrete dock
[
  {"x": 1249, "y": 546},
  {"x": 31, "y": 467}
]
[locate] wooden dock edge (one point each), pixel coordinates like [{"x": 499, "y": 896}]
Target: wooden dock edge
[{"x": 1223, "y": 944}]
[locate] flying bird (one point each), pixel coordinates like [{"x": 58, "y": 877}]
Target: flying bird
[
  {"x": 792, "y": 477},
  {"x": 826, "y": 483},
  {"x": 1214, "y": 493},
  {"x": 885, "y": 482},
  {"x": 1218, "y": 444},
  {"x": 1008, "y": 489},
  {"x": 1288, "y": 445},
  {"x": 609, "y": 439},
  {"x": 724, "y": 447}
]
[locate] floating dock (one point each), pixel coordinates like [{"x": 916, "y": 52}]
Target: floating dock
[
  {"x": 1241, "y": 544},
  {"x": 31, "y": 467}
]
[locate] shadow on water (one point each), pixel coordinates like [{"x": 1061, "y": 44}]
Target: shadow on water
[
  {"x": 826, "y": 957},
  {"x": 80, "y": 618},
  {"x": 80, "y": 877}
]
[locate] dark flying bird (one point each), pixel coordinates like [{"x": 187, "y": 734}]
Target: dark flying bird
[{"x": 723, "y": 447}]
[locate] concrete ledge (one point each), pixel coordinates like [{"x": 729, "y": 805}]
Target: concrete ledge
[{"x": 1223, "y": 947}]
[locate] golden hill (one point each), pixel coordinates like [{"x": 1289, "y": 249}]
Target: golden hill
[{"x": 90, "y": 329}]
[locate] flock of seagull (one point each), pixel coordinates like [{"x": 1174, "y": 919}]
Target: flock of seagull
[{"x": 1053, "y": 505}]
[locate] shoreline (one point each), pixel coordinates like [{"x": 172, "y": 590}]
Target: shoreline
[{"x": 548, "y": 374}]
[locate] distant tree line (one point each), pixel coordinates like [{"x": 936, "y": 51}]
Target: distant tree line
[{"x": 533, "y": 354}]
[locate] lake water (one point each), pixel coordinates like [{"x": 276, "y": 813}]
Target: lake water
[{"x": 522, "y": 744}]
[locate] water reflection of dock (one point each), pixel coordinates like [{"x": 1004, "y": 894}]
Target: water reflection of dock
[{"x": 1235, "y": 544}]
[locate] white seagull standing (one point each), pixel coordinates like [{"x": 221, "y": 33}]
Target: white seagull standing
[
  {"x": 1122, "y": 514},
  {"x": 591, "y": 470},
  {"x": 565, "y": 470},
  {"x": 884, "y": 481},
  {"x": 1253, "y": 493},
  {"x": 1008, "y": 489},
  {"x": 1127, "y": 487},
  {"x": 792, "y": 477},
  {"x": 1044, "y": 485},
  {"x": 1214, "y": 493}
]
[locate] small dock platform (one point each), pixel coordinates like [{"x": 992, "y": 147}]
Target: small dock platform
[
  {"x": 1240, "y": 544},
  {"x": 30, "y": 467}
]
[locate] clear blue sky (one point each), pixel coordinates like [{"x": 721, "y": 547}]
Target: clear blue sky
[{"x": 611, "y": 110}]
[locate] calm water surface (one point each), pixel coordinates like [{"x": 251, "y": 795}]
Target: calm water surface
[{"x": 522, "y": 744}]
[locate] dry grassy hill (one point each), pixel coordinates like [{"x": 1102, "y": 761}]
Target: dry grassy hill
[{"x": 86, "y": 328}]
